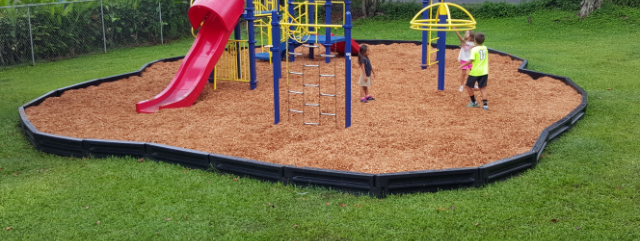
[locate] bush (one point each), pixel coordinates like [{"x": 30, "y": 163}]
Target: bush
[
  {"x": 65, "y": 30},
  {"x": 483, "y": 11},
  {"x": 630, "y": 3}
]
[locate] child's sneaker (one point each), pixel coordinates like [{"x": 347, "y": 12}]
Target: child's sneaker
[
  {"x": 363, "y": 100},
  {"x": 461, "y": 88},
  {"x": 486, "y": 107},
  {"x": 473, "y": 105},
  {"x": 370, "y": 97}
]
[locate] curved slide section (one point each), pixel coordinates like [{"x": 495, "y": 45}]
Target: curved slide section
[{"x": 220, "y": 17}]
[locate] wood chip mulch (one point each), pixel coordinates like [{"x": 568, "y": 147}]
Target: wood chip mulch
[{"x": 411, "y": 126}]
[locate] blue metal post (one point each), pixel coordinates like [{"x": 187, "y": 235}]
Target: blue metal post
[
  {"x": 425, "y": 36},
  {"x": 442, "y": 37},
  {"x": 277, "y": 72},
  {"x": 347, "y": 6},
  {"x": 252, "y": 44},
  {"x": 347, "y": 71},
  {"x": 312, "y": 20},
  {"x": 292, "y": 28},
  {"x": 236, "y": 36},
  {"x": 327, "y": 44}
]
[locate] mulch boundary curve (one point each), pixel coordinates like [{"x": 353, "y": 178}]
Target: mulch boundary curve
[{"x": 377, "y": 185}]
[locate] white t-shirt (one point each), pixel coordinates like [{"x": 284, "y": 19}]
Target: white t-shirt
[{"x": 465, "y": 51}]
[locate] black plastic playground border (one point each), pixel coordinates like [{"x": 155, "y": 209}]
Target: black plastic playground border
[{"x": 378, "y": 185}]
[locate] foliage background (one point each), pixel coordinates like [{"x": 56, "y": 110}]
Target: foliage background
[{"x": 66, "y": 30}]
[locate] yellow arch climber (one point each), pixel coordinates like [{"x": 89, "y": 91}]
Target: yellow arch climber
[{"x": 431, "y": 24}]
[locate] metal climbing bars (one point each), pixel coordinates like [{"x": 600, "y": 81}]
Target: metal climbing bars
[
  {"x": 311, "y": 92},
  {"x": 296, "y": 25},
  {"x": 233, "y": 64}
]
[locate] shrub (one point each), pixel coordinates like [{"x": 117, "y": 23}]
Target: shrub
[{"x": 65, "y": 30}]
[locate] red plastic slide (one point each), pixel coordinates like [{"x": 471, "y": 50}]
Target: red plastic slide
[
  {"x": 220, "y": 17},
  {"x": 339, "y": 47}
]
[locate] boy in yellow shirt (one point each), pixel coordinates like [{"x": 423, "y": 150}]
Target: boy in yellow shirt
[{"x": 480, "y": 71}]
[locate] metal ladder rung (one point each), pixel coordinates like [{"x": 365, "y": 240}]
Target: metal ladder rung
[
  {"x": 297, "y": 54},
  {"x": 328, "y": 55},
  {"x": 436, "y": 38},
  {"x": 308, "y": 85},
  {"x": 295, "y": 92},
  {"x": 327, "y": 75},
  {"x": 311, "y": 123},
  {"x": 296, "y": 111},
  {"x": 311, "y": 65},
  {"x": 432, "y": 63},
  {"x": 329, "y": 114},
  {"x": 330, "y": 95},
  {"x": 296, "y": 73},
  {"x": 310, "y": 46},
  {"x": 268, "y": 46},
  {"x": 317, "y": 105}
]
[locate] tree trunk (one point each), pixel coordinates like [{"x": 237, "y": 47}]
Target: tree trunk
[
  {"x": 364, "y": 8},
  {"x": 374, "y": 8},
  {"x": 588, "y": 6}
]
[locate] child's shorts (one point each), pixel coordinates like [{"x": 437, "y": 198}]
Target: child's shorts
[
  {"x": 482, "y": 81},
  {"x": 462, "y": 62},
  {"x": 362, "y": 83}
]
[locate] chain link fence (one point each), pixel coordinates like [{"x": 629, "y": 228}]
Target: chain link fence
[{"x": 52, "y": 31}]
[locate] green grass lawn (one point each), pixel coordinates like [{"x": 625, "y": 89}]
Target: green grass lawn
[{"x": 587, "y": 186}]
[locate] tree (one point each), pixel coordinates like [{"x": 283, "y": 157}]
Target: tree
[
  {"x": 588, "y": 6},
  {"x": 369, "y": 7}
]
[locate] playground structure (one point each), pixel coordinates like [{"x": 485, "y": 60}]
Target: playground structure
[
  {"x": 439, "y": 21},
  {"x": 214, "y": 56},
  {"x": 213, "y": 50},
  {"x": 215, "y": 134}
]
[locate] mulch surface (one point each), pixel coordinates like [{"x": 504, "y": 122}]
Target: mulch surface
[{"x": 411, "y": 126}]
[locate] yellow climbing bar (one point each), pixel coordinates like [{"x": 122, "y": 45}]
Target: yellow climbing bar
[
  {"x": 233, "y": 65},
  {"x": 263, "y": 8}
]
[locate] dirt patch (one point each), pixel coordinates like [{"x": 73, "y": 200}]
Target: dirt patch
[{"x": 411, "y": 126}]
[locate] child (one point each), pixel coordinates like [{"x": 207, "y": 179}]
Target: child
[
  {"x": 480, "y": 71},
  {"x": 365, "y": 74},
  {"x": 466, "y": 44}
]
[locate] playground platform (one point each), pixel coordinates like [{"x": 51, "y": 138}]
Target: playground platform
[{"x": 319, "y": 39}]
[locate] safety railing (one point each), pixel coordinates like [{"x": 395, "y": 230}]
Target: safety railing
[
  {"x": 234, "y": 63},
  {"x": 263, "y": 8},
  {"x": 296, "y": 25}
]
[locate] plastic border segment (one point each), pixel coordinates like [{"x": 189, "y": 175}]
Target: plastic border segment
[
  {"x": 351, "y": 182},
  {"x": 59, "y": 145},
  {"x": 245, "y": 167},
  {"x": 172, "y": 59},
  {"x": 39, "y": 100},
  {"x": 98, "y": 148},
  {"x": 184, "y": 157},
  {"x": 94, "y": 82},
  {"x": 428, "y": 180},
  {"x": 540, "y": 144},
  {"x": 27, "y": 128},
  {"x": 507, "y": 167},
  {"x": 121, "y": 76}
]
